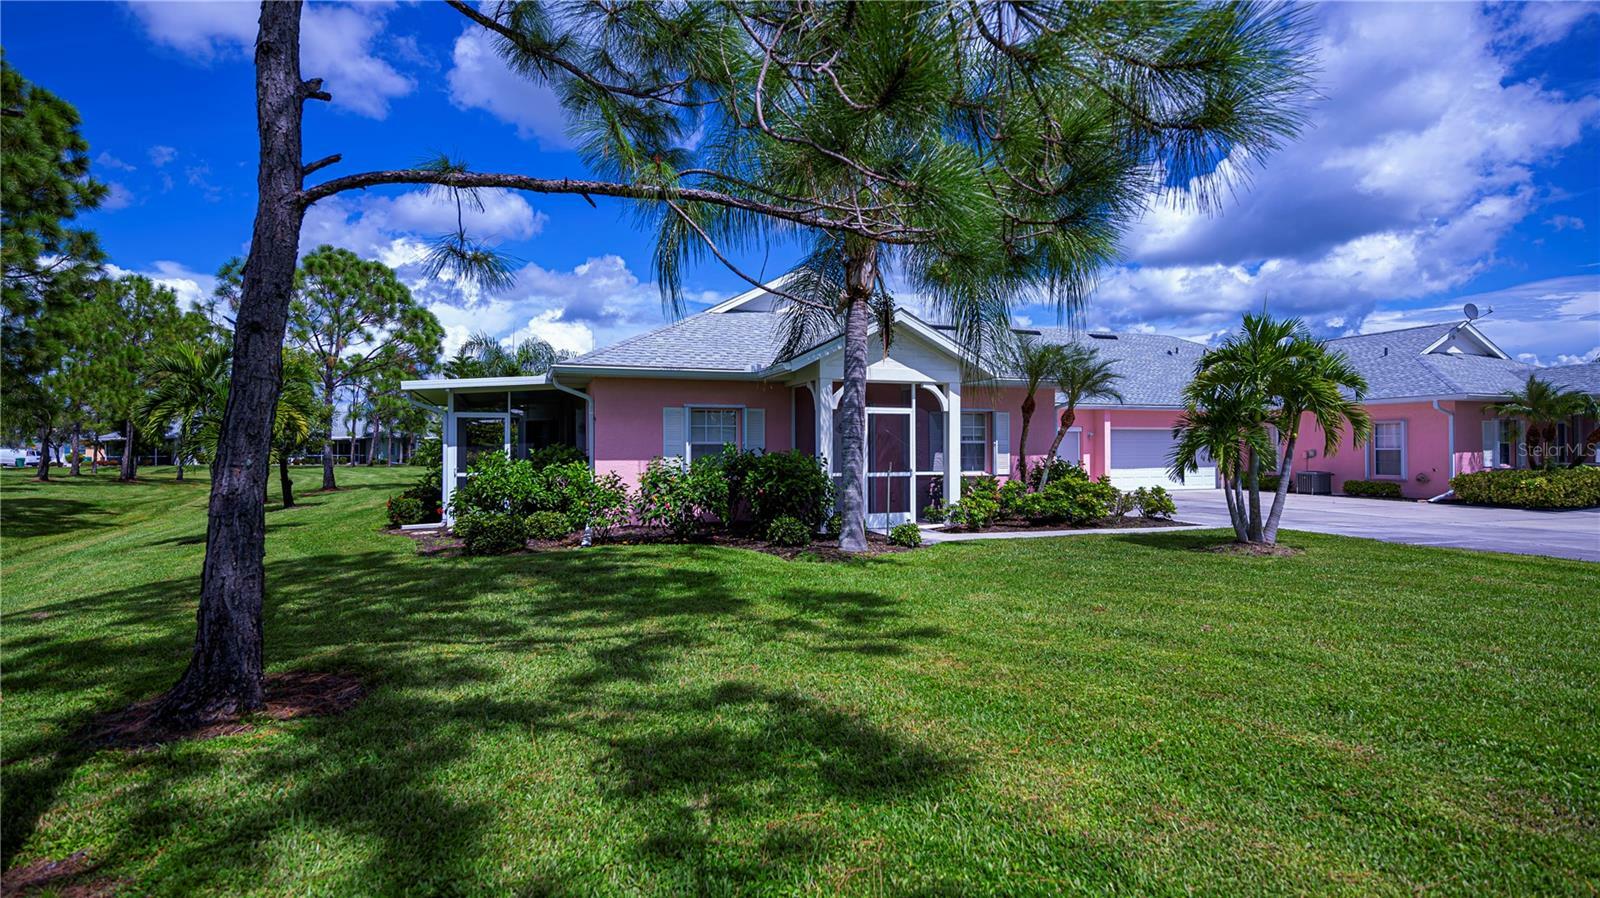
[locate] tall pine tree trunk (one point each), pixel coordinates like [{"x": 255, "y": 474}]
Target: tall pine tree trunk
[
  {"x": 43, "y": 473},
  {"x": 328, "y": 414},
  {"x": 77, "y": 448},
  {"x": 130, "y": 465},
  {"x": 861, "y": 275},
  {"x": 224, "y": 677}
]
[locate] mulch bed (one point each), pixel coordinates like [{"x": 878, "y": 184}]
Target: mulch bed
[
  {"x": 289, "y": 696},
  {"x": 439, "y": 543},
  {"x": 63, "y": 878},
  {"x": 1256, "y": 550},
  {"x": 1013, "y": 525}
]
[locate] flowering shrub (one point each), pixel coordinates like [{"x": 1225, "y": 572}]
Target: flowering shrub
[
  {"x": 404, "y": 509},
  {"x": 500, "y": 485},
  {"x": 682, "y": 499},
  {"x": 766, "y": 486}
]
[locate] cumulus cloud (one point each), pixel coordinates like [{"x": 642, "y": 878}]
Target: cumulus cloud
[
  {"x": 479, "y": 79},
  {"x": 117, "y": 197},
  {"x": 1421, "y": 158},
  {"x": 192, "y": 287},
  {"x": 337, "y": 44},
  {"x": 379, "y": 226},
  {"x": 1551, "y": 321}
]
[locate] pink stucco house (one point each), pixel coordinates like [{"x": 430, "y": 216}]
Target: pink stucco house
[{"x": 716, "y": 378}]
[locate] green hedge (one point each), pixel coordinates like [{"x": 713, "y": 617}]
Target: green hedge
[
  {"x": 1376, "y": 489},
  {"x": 1555, "y": 488}
]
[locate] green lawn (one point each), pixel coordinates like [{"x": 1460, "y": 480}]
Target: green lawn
[{"x": 1101, "y": 714}]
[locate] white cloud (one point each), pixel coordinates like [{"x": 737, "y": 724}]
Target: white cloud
[
  {"x": 337, "y": 44},
  {"x": 107, "y": 160},
  {"x": 161, "y": 155},
  {"x": 385, "y": 227},
  {"x": 117, "y": 197},
  {"x": 479, "y": 79},
  {"x": 1421, "y": 158},
  {"x": 1565, "y": 222},
  {"x": 192, "y": 287},
  {"x": 1551, "y": 319}
]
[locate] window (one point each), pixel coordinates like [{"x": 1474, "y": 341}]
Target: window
[
  {"x": 974, "y": 441},
  {"x": 1388, "y": 449},
  {"x": 710, "y": 429}
]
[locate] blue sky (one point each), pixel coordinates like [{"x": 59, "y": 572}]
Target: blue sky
[{"x": 1454, "y": 154}]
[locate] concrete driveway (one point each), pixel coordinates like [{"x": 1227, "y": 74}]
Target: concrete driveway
[{"x": 1563, "y": 534}]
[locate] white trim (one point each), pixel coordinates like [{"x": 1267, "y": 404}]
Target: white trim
[
  {"x": 753, "y": 293},
  {"x": 1484, "y": 341}
]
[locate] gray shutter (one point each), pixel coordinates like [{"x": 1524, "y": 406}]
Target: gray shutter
[
  {"x": 672, "y": 432},
  {"x": 1002, "y": 443},
  {"x": 755, "y": 429}
]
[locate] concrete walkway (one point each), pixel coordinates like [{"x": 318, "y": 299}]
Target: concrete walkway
[{"x": 1563, "y": 534}]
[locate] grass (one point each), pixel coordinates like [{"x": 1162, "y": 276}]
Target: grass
[{"x": 1103, "y": 714}]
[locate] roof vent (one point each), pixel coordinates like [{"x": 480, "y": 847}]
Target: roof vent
[
  {"x": 1103, "y": 336},
  {"x": 1385, "y": 352}
]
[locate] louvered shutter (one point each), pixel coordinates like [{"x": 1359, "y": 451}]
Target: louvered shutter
[
  {"x": 672, "y": 432},
  {"x": 755, "y": 429},
  {"x": 1002, "y": 443}
]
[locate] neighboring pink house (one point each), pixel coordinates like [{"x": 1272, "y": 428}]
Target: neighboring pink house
[
  {"x": 716, "y": 378},
  {"x": 1427, "y": 390}
]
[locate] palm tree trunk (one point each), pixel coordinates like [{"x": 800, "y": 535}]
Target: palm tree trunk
[
  {"x": 285, "y": 485},
  {"x": 1069, "y": 415},
  {"x": 1235, "y": 512},
  {"x": 77, "y": 448},
  {"x": 1269, "y": 533},
  {"x": 224, "y": 676},
  {"x": 1255, "y": 496},
  {"x": 860, "y": 277},
  {"x": 130, "y": 465},
  {"x": 1028, "y": 405}
]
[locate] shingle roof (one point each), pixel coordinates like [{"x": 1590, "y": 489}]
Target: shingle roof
[
  {"x": 1395, "y": 366},
  {"x": 724, "y": 341},
  {"x": 1153, "y": 368},
  {"x": 1585, "y": 377}
]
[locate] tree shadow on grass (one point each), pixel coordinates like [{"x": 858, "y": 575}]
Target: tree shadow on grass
[
  {"x": 596, "y": 647},
  {"x": 39, "y": 515}
]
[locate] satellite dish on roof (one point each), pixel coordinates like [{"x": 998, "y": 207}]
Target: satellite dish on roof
[{"x": 1471, "y": 311}]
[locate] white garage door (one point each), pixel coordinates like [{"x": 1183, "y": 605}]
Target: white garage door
[{"x": 1140, "y": 458}]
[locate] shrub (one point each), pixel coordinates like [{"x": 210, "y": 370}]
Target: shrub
[
  {"x": 905, "y": 535},
  {"x": 834, "y": 526},
  {"x": 766, "y": 486},
  {"x": 934, "y": 514},
  {"x": 979, "y": 505},
  {"x": 1555, "y": 488},
  {"x": 1155, "y": 502},
  {"x": 1378, "y": 489},
  {"x": 547, "y": 525},
  {"x": 491, "y": 534},
  {"x": 1074, "y": 499},
  {"x": 682, "y": 499},
  {"x": 1268, "y": 483},
  {"x": 500, "y": 485},
  {"x": 1011, "y": 496},
  {"x": 1059, "y": 468},
  {"x": 1122, "y": 502},
  {"x": 404, "y": 509},
  {"x": 787, "y": 531},
  {"x": 556, "y": 454}
]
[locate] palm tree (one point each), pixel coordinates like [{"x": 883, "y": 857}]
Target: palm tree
[
  {"x": 1080, "y": 375},
  {"x": 1032, "y": 361},
  {"x": 292, "y": 421},
  {"x": 185, "y": 383},
  {"x": 1541, "y": 406},
  {"x": 484, "y": 356},
  {"x": 1218, "y": 425},
  {"x": 1270, "y": 374}
]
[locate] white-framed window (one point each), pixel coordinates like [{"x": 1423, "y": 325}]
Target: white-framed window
[
  {"x": 974, "y": 442},
  {"x": 710, "y": 429},
  {"x": 1389, "y": 449}
]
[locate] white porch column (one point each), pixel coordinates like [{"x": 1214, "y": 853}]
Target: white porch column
[
  {"x": 447, "y": 452},
  {"x": 822, "y": 406},
  {"x": 952, "y": 439}
]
